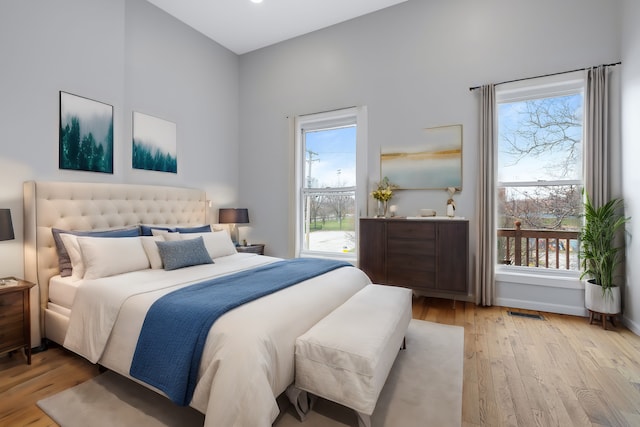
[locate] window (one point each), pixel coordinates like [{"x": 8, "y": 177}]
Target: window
[
  {"x": 539, "y": 172},
  {"x": 329, "y": 147}
]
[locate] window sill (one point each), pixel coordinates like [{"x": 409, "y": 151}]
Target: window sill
[
  {"x": 547, "y": 278},
  {"x": 348, "y": 257}
]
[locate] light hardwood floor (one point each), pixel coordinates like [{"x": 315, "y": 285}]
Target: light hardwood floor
[{"x": 559, "y": 371}]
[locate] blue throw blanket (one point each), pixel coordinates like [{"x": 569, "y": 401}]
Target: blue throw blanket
[{"x": 176, "y": 326}]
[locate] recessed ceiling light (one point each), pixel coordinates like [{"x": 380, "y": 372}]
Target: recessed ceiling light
[{"x": 256, "y": 1}]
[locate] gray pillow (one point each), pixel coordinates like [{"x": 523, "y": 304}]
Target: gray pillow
[
  {"x": 183, "y": 253},
  {"x": 64, "y": 262}
]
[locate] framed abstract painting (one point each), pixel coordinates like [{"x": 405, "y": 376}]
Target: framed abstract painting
[{"x": 433, "y": 162}]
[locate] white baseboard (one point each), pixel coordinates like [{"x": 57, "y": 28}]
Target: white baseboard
[
  {"x": 445, "y": 295},
  {"x": 631, "y": 325},
  {"x": 541, "y": 306}
]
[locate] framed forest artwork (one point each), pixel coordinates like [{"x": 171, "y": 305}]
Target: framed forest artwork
[
  {"x": 154, "y": 144},
  {"x": 86, "y": 134}
]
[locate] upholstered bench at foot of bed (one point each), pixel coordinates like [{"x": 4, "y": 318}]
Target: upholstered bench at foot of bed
[{"x": 347, "y": 356}]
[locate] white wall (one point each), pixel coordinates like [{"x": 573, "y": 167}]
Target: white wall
[
  {"x": 173, "y": 72},
  {"x": 412, "y": 65},
  {"x": 126, "y": 53},
  {"x": 631, "y": 154}
]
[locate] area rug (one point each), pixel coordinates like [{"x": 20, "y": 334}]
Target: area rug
[{"x": 424, "y": 389}]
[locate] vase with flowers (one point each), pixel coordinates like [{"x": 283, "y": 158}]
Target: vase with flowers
[{"x": 383, "y": 193}]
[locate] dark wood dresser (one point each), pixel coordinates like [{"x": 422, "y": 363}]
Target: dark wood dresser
[
  {"x": 429, "y": 255},
  {"x": 15, "y": 317}
]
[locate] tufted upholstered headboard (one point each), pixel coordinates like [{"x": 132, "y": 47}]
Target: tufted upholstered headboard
[{"x": 88, "y": 206}]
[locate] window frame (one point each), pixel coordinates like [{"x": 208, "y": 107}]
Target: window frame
[
  {"x": 518, "y": 91},
  {"x": 319, "y": 121}
]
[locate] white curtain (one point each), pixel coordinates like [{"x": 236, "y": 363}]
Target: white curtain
[
  {"x": 485, "y": 226},
  {"x": 596, "y": 149}
]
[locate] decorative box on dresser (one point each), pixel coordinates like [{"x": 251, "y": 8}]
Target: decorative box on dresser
[
  {"x": 15, "y": 316},
  {"x": 430, "y": 255}
]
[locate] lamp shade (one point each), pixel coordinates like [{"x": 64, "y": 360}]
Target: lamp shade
[
  {"x": 6, "y": 226},
  {"x": 233, "y": 216}
]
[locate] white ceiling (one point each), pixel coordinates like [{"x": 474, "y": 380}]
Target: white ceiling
[{"x": 242, "y": 26}]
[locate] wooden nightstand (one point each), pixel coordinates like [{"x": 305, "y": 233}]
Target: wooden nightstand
[
  {"x": 257, "y": 248},
  {"x": 15, "y": 316}
]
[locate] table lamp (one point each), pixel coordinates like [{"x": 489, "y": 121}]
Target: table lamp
[
  {"x": 233, "y": 216},
  {"x": 6, "y": 226},
  {"x": 6, "y": 230}
]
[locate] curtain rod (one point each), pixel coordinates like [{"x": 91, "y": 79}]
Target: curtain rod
[{"x": 548, "y": 75}]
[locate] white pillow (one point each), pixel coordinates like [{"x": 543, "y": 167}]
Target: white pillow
[
  {"x": 70, "y": 242},
  {"x": 219, "y": 227},
  {"x": 151, "y": 249},
  {"x": 170, "y": 237},
  {"x": 108, "y": 256},
  {"x": 218, "y": 243}
]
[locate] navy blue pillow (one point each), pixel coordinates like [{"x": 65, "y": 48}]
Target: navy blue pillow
[
  {"x": 64, "y": 262},
  {"x": 145, "y": 230},
  {"x": 183, "y": 253},
  {"x": 200, "y": 229}
]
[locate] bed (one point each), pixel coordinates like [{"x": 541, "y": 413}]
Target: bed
[{"x": 248, "y": 356}]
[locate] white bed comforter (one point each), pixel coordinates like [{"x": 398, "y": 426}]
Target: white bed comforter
[{"x": 248, "y": 359}]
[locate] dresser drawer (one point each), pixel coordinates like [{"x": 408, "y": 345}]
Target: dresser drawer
[
  {"x": 411, "y": 247},
  {"x": 412, "y": 278},
  {"x": 413, "y": 262},
  {"x": 11, "y": 334},
  {"x": 11, "y": 320},
  {"x": 7, "y": 319},
  {"x": 11, "y": 303},
  {"x": 418, "y": 230}
]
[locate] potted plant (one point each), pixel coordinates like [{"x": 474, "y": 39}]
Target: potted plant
[{"x": 600, "y": 256}]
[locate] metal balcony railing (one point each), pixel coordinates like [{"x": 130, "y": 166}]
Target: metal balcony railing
[{"x": 538, "y": 248}]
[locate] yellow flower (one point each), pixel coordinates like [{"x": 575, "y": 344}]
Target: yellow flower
[{"x": 384, "y": 190}]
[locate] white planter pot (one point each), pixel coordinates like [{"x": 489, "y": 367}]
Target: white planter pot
[{"x": 594, "y": 300}]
